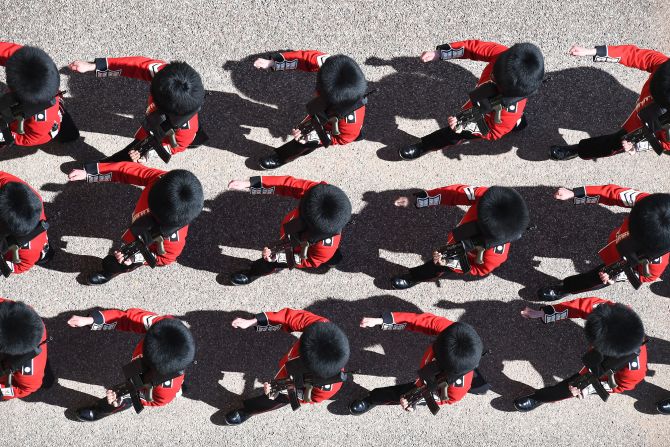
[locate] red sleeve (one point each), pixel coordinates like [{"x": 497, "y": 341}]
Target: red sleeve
[
  {"x": 476, "y": 50},
  {"x": 6, "y": 51},
  {"x": 319, "y": 253},
  {"x": 303, "y": 60},
  {"x": 577, "y": 308},
  {"x": 656, "y": 269},
  {"x": 122, "y": 172},
  {"x": 28, "y": 255},
  {"x": 628, "y": 378},
  {"x": 282, "y": 185},
  {"x": 173, "y": 246},
  {"x": 289, "y": 320},
  {"x": 350, "y": 127},
  {"x": 136, "y": 67},
  {"x": 493, "y": 258},
  {"x": 425, "y": 323},
  {"x": 451, "y": 195},
  {"x": 183, "y": 136},
  {"x": 131, "y": 320},
  {"x": 39, "y": 128},
  {"x": 630, "y": 56},
  {"x": 163, "y": 395},
  {"x": 456, "y": 393},
  {"x": 608, "y": 195}
]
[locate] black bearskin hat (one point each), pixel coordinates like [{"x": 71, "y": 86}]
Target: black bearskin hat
[
  {"x": 660, "y": 85},
  {"x": 519, "y": 71},
  {"x": 326, "y": 209},
  {"x": 458, "y": 349},
  {"x": 32, "y": 75},
  {"x": 21, "y": 329},
  {"x": 649, "y": 225},
  {"x": 20, "y": 209},
  {"x": 341, "y": 81},
  {"x": 614, "y": 330},
  {"x": 177, "y": 89},
  {"x": 169, "y": 346},
  {"x": 324, "y": 349},
  {"x": 176, "y": 198},
  {"x": 502, "y": 214}
]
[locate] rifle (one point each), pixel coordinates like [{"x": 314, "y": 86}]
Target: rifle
[
  {"x": 599, "y": 366},
  {"x": 160, "y": 126},
  {"x": 484, "y": 99},
  {"x": 318, "y": 116},
  {"x": 11, "y": 109},
  {"x": 299, "y": 378},
  {"x": 13, "y": 244},
  {"x": 293, "y": 238},
  {"x": 626, "y": 266},
  {"x": 146, "y": 231},
  {"x": 139, "y": 376},
  {"x": 653, "y": 118},
  {"x": 458, "y": 251}
]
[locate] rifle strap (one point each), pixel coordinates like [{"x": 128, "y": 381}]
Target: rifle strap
[{"x": 307, "y": 392}]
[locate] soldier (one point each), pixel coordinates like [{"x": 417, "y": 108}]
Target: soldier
[
  {"x": 450, "y": 361},
  {"x": 157, "y": 235},
  {"x": 321, "y": 352},
  {"x": 23, "y": 228},
  {"x": 340, "y": 90},
  {"x": 637, "y": 250},
  {"x": 162, "y": 356},
  {"x": 480, "y": 243},
  {"x": 177, "y": 94},
  {"x": 513, "y": 74},
  {"x": 655, "y": 90},
  {"x": 616, "y": 358},
  {"x": 309, "y": 235},
  {"x": 33, "y": 81},
  {"x": 23, "y": 350}
]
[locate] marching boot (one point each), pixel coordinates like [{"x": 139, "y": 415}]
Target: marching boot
[
  {"x": 551, "y": 293},
  {"x": 402, "y": 282},
  {"x": 360, "y": 406},
  {"x": 270, "y": 162},
  {"x": 99, "y": 278},
  {"x": 563, "y": 152},
  {"x": 412, "y": 151},
  {"x": 236, "y": 417},
  {"x": 526, "y": 403}
]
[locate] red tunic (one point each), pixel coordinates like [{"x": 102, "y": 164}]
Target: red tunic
[
  {"x": 29, "y": 379},
  {"x": 626, "y": 378},
  {"x": 41, "y": 127},
  {"x": 646, "y": 60},
  {"x": 311, "y": 60},
  {"x": 466, "y": 195},
  {"x": 318, "y": 253},
  {"x": 144, "y": 68},
  {"x": 30, "y": 253},
  {"x": 139, "y": 321},
  {"x": 626, "y": 197},
  {"x": 478, "y": 50},
  {"x": 293, "y": 320},
  {"x": 430, "y": 324},
  {"x": 140, "y": 175}
]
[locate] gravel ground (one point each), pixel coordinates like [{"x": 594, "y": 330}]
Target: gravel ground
[{"x": 249, "y": 112}]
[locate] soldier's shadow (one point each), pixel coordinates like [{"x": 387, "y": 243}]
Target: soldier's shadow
[
  {"x": 81, "y": 212},
  {"x": 374, "y": 352},
  {"x": 235, "y": 219},
  {"x": 419, "y": 231}
]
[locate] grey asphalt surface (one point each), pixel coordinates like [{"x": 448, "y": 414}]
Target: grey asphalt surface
[{"x": 246, "y": 114}]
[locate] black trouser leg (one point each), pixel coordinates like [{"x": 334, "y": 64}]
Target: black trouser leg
[
  {"x": 584, "y": 281},
  {"x": 263, "y": 404},
  {"x": 122, "y": 155},
  {"x": 389, "y": 395},
  {"x": 602, "y": 146},
  {"x": 336, "y": 259},
  {"x": 294, "y": 149},
  {"x": 200, "y": 138},
  {"x": 556, "y": 392},
  {"x": 261, "y": 267},
  {"x": 428, "y": 271},
  {"x": 112, "y": 267},
  {"x": 445, "y": 137},
  {"x": 68, "y": 130}
]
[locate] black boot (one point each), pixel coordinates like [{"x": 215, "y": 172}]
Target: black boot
[
  {"x": 663, "y": 406},
  {"x": 412, "y": 151},
  {"x": 201, "y": 138},
  {"x": 526, "y": 403},
  {"x": 236, "y": 417},
  {"x": 551, "y": 293},
  {"x": 360, "y": 406},
  {"x": 270, "y": 162},
  {"x": 96, "y": 279},
  {"x": 44, "y": 260},
  {"x": 402, "y": 282},
  {"x": 242, "y": 278},
  {"x": 563, "y": 152}
]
